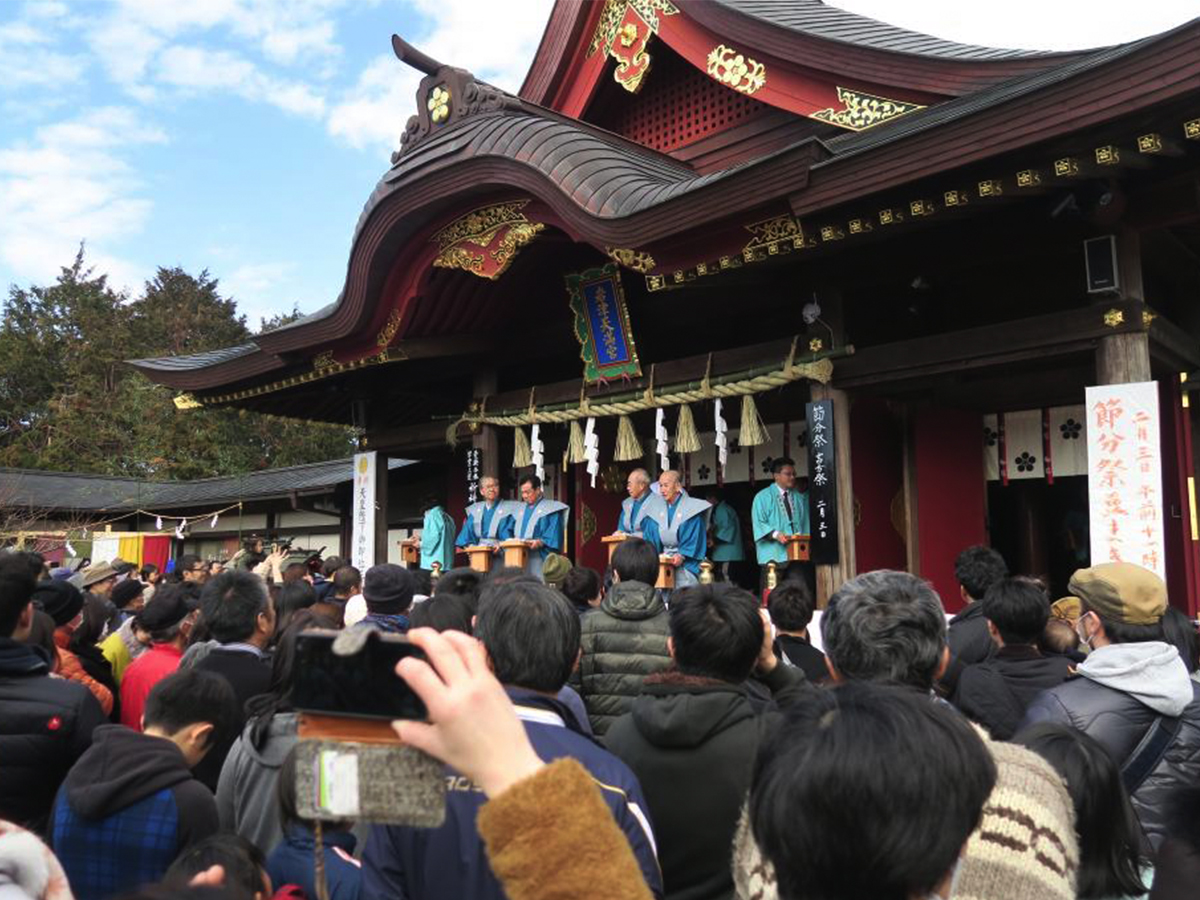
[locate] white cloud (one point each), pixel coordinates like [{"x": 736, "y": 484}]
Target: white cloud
[
  {"x": 25, "y": 61},
  {"x": 71, "y": 184},
  {"x": 497, "y": 48},
  {"x": 198, "y": 69}
]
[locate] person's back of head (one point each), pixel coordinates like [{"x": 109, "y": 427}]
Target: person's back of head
[
  {"x": 716, "y": 632},
  {"x": 330, "y": 565},
  {"x": 1120, "y": 602},
  {"x": 244, "y": 864},
  {"x": 531, "y": 634},
  {"x": 1180, "y": 630},
  {"x": 977, "y": 569},
  {"x": 388, "y": 589},
  {"x": 296, "y": 571},
  {"x": 462, "y": 581},
  {"x": 1018, "y": 609},
  {"x": 1059, "y": 638},
  {"x": 635, "y": 560},
  {"x": 791, "y": 606},
  {"x": 196, "y": 710},
  {"x": 886, "y": 627},
  {"x": 868, "y": 791},
  {"x": 17, "y": 584},
  {"x": 293, "y": 597},
  {"x": 582, "y": 587},
  {"x": 443, "y": 612},
  {"x": 231, "y": 605},
  {"x": 1109, "y": 859},
  {"x": 347, "y": 581}
]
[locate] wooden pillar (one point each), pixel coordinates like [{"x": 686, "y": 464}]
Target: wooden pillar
[
  {"x": 486, "y": 439},
  {"x": 831, "y": 577},
  {"x": 912, "y": 533},
  {"x": 1125, "y": 358}
]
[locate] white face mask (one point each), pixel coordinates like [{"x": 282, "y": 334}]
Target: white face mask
[{"x": 1083, "y": 637}]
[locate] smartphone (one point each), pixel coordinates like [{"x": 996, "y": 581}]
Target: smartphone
[{"x": 364, "y": 685}]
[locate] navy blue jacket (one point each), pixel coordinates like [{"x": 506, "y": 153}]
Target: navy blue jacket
[
  {"x": 403, "y": 863},
  {"x": 292, "y": 863}
]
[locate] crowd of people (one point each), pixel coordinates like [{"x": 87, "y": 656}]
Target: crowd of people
[{"x": 604, "y": 738}]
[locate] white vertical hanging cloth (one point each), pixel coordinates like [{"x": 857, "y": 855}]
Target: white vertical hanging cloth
[
  {"x": 591, "y": 449},
  {"x": 660, "y": 439},
  {"x": 537, "y": 451},
  {"x": 720, "y": 439}
]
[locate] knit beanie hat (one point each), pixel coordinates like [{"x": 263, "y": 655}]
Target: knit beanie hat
[
  {"x": 126, "y": 592},
  {"x": 388, "y": 589},
  {"x": 61, "y": 600},
  {"x": 1025, "y": 845},
  {"x": 555, "y": 569}
]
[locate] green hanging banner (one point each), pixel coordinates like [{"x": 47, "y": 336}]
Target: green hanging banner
[{"x": 602, "y": 324}]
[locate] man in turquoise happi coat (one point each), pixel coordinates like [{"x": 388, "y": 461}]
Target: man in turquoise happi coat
[
  {"x": 490, "y": 520},
  {"x": 539, "y": 522},
  {"x": 677, "y": 526},
  {"x": 437, "y": 537},
  {"x": 726, "y": 534},
  {"x": 633, "y": 507},
  {"x": 779, "y": 511}
]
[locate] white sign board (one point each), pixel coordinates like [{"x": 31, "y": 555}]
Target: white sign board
[
  {"x": 362, "y": 541},
  {"x": 1125, "y": 486}
]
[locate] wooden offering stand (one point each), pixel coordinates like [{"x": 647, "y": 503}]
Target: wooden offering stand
[
  {"x": 410, "y": 553},
  {"x": 613, "y": 541},
  {"x": 480, "y": 557},
  {"x": 797, "y": 547},
  {"x": 516, "y": 552},
  {"x": 666, "y": 574},
  {"x": 317, "y": 726}
]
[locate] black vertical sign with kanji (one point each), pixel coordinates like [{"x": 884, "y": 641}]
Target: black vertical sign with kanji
[{"x": 822, "y": 483}]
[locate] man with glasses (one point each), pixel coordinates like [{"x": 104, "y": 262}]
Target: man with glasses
[
  {"x": 779, "y": 511},
  {"x": 192, "y": 568}
]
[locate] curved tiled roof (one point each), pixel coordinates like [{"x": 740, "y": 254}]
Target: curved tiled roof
[
  {"x": 195, "y": 360},
  {"x": 815, "y": 18}
]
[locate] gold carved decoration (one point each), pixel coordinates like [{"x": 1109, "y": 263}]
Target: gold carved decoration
[
  {"x": 187, "y": 401},
  {"x": 438, "y": 104},
  {"x": 1191, "y": 130},
  {"x": 956, "y": 198},
  {"x": 1029, "y": 178},
  {"x": 632, "y": 259},
  {"x": 323, "y": 360},
  {"x": 389, "y": 330},
  {"x": 735, "y": 70},
  {"x": 831, "y": 233},
  {"x": 614, "y": 13},
  {"x": 485, "y": 241},
  {"x": 991, "y": 188},
  {"x": 816, "y": 345},
  {"x": 1150, "y": 143},
  {"x": 1066, "y": 167},
  {"x": 1148, "y": 317},
  {"x": 1114, "y": 317},
  {"x": 773, "y": 236},
  {"x": 862, "y": 111},
  {"x": 624, "y": 31},
  {"x": 1107, "y": 155}
]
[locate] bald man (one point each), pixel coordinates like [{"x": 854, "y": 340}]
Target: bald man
[
  {"x": 634, "y": 507},
  {"x": 677, "y": 526},
  {"x": 488, "y": 521}
]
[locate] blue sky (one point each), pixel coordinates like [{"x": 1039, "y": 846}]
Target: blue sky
[{"x": 244, "y": 136}]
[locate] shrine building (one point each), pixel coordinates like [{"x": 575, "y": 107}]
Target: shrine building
[{"x": 766, "y": 204}]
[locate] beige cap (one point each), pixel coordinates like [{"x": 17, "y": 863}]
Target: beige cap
[{"x": 1121, "y": 592}]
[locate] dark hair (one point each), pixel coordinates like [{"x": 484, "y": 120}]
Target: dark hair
[
  {"x": 293, "y": 597},
  {"x": 285, "y": 792},
  {"x": 1123, "y": 633},
  {"x": 278, "y": 697},
  {"x": 186, "y": 563},
  {"x": 91, "y": 628},
  {"x": 331, "y": 564},
  {"x": 532, "y": 480},
  {"x": 1058, "y": 637},
  {"x": 530, "y": 632},
  {"x": 231, "y": 604},
  {"x": 977, "y": 568},
  {"x": 443, "y": 612},
  {"x": 34, "y": 563},
  {"x": 17, "y": 584},
  {"x": 294, "y": 572},
  {"x": 1109, "y": 859},
  {"x": 503, "y": 575},
  {"x": 778, "y": 464},
  {"x": 1180, "y": 630},
  {"x": 887, "y": 627},
  {"x": 243, "y": 862},
  {"x": 346, "y": 580},
  {"x": 193, "y": 695},
  {"x": 1018, "y": 607},
  {"x": 41, "y": 634},
  {"x": 917, "y": 767},
  {"x": 581, "y": 586},
  {"x": 465, "y": 582},
  {"x": 636, "y": 560},
  {"x": 148, "y": 569},
  {"x": 716, "y": 630},
  {"x": 422, "y": 582},
  {"x": 791, "y": 606}
]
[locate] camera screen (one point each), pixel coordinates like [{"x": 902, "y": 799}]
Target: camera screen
[{"x": 364, "y": 685}]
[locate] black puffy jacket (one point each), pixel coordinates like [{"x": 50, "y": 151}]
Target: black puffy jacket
[
  {"x": 1119, "y": 720},
  {"x": 45, "y": 725},
  {"x": 623, "y": 641}
]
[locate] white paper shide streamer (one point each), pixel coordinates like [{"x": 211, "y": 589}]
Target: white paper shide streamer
[
  {"x": 537, "y": 451},
  {"x": 591, "y": 449},
  {"x": 69, "y": 548},
  {"x": 213, "y": 524},
  {"x": 720, "y": 428},
  {"x": 660, "y": 439},
  {"x": 158, "y": 523},
  {"x": 179, "y": 529}
]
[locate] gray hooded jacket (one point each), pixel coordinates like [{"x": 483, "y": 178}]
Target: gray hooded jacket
[{"x": 1122, "y": 691}]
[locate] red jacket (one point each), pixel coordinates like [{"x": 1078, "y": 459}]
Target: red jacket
[{"x": 142, "y": 675}]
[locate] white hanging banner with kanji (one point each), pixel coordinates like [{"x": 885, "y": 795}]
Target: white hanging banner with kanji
[{"x": 1125, "y": 492}]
